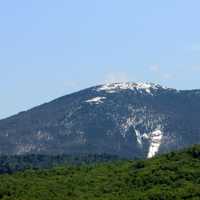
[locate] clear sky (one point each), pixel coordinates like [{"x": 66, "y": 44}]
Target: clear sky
[{"x": 49, "y": 48}]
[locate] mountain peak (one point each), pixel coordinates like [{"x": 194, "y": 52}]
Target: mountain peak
[{"x": 114, "y": 87}]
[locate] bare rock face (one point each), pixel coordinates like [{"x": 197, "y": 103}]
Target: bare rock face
[{"x": 125, "y": 119}]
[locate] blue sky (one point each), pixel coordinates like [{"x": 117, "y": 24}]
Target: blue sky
[{"x": 51, "y": 48}]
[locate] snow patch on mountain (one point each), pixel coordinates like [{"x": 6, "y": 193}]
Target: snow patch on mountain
[
  {"x": 114, "y": 87},
  {"x": 41, "y": 135},
  {"x": 155, "y": 142},
  {"x": 24, "y": 148},
  {"x": 126, "y": 125},
  {"x": 96, "y": 100},
  {"x": 145, "y": 136},
  {"x": 139, "y": 137}
]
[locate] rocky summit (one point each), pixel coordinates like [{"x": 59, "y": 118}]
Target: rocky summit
[{"x": 132, "y": 120}]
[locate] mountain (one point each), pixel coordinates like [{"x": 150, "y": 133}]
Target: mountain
[
  {"x": 125, "y": 119},
  {"x": 167, "y": 177}
]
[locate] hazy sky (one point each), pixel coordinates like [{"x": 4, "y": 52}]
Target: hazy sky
[{"x": 50, "y": 48}]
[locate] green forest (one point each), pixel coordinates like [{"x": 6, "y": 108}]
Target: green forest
[
  {"x": 167, "y": 177},
  {"x": 14, "y": 163}
]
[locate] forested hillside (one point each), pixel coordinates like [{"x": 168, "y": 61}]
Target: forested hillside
[
  {"x": 12, "y": 164},
  {"x": 167, "y": 177}
]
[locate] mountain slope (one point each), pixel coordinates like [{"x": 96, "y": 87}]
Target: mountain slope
[
  {"x": 166, "y": 177},
  {"x": 126, "y": 119}
]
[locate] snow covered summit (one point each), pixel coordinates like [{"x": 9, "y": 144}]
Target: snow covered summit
[{"x": 115, "y": 87}]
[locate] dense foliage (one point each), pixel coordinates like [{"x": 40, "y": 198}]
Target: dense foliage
[
  {"x": 167, "y": 177},
  {"x": 11, "y": 164}
]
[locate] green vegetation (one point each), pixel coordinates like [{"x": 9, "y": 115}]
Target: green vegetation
[
  {"x": 12, "y": 164},
  {"x": 167, "y": 177}
]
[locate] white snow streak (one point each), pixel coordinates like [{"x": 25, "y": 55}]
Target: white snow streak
[
  {"x": 96, "y": 100},
  {"x": 139, "y": 137},
  {"x": 155, "y": 141}
]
